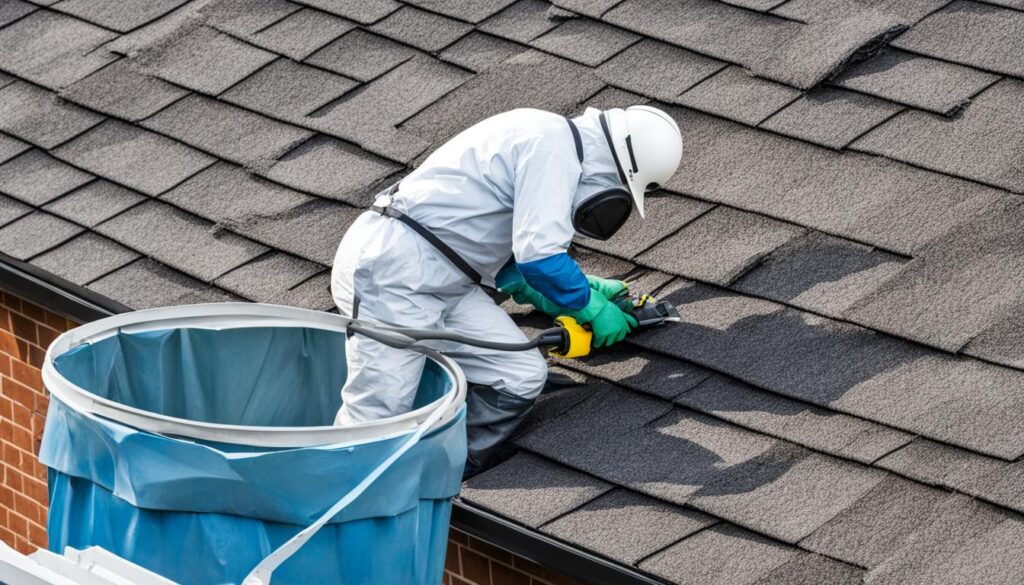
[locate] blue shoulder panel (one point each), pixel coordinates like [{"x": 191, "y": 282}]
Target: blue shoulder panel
[{"x": 559, "y": 279}]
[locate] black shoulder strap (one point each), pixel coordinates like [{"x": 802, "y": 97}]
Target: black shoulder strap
[
  {"x": 435, "y": 241},
  {"x": 576, "y": 138}
]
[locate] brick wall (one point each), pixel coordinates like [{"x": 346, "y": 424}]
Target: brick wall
[
  {"x": 25, "y": 332},
  {"x": 472, "y": 561}
]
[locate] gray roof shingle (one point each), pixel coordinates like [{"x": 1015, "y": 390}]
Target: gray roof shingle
[
  {"x": 831, "y": 117},
  {"x": 301, "y": 33},
  {"x": 180, "y": 240},
  {"x": 627, "y": 526},
  {"x": 37, "y": 178},
  {"x": 133, "y": 157},
  {"x": 737, "y": 95},
  {"x": 120, "y": 91},
  {"x": 203, "y": 59},
  {"x": 523, "y": 488},
  {"x": 914, "y": 80},
  {"x": 972, "y": 33},
  {"x": 40, "y": 117},
  {"x": 226, "y": 131},
  {"x": 94, "y": 203},
  {"x": 85, "y": 258},
  {"x": 52, "y": 49},
  {"x": 858, "y": 337}
]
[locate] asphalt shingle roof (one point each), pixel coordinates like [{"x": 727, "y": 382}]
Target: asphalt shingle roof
[{"x": 842, "y": 401}]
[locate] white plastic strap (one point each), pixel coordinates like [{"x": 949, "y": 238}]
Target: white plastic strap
[{"x": 262, "y": 573}]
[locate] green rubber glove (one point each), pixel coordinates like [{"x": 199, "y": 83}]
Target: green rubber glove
[
  {"x": 512, "y": 284},
  {"x": 609, "y": 323},
  {"x": 607, "y": 287}
]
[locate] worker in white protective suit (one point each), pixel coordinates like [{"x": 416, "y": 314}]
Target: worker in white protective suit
[{"x": 497, "y": 205}]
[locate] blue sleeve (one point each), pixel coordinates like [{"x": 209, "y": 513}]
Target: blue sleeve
[{"x": 559, "y": 279}]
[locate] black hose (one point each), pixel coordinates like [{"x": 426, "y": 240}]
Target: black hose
[{"x": 405, "y": 338}]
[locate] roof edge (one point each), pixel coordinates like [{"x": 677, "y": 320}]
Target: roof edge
[
  {"x": 543, "y": 550},
  {"x": 82, "y": 305},
  {"x": 54, "y": 293}
]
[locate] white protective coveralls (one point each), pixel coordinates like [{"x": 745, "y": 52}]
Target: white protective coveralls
[{"x": 503, "y": 188}]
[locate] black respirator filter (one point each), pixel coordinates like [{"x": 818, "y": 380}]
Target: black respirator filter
[{"x": 600, "y": 216}]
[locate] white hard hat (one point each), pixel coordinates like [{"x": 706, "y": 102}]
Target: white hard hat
[{"x": 647, "y": 147}]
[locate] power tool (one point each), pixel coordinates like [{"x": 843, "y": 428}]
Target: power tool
[{"x": 570, "y": 339}]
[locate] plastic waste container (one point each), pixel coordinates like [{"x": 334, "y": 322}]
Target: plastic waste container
[{"x": 197, "y": 440}]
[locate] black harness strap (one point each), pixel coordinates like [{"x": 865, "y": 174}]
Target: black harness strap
[
  {"x": 435, "y": 241},
  {"x": 576, "y": 138}
]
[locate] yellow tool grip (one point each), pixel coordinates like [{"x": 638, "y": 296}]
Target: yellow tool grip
[{"x": 579, "y": 337}]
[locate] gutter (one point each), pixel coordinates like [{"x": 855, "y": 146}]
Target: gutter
[{"x": 81, "y": 305}]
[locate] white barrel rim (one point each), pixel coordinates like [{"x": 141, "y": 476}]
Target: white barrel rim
[{"x": 218, "y": 316}]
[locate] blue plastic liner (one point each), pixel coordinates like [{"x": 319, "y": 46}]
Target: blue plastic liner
[{"x": 205, "y": 513}]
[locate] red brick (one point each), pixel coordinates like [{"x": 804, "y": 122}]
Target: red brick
[
  {"x": 6, "y": 498},
  {"x": 490, "y": 550},
  {"x": 27, "y": 375},
  {"x": 504, "y": 575},
  {"x": 37, "y": 535},
  {"x": 24, "y": 546},
  {"x": 45, "y": 335},
  {"x": 7, "y": 536},
  {"x": 18, "y": 524},
  {"x": 23, "y": 328},
  {"x": 5, "y": 364},
  {"x": 11, "y": 455},
  {"x": 459, "y": 537},
  {"x": 10, "y": 301},
  {"x": 55, "y": 321},
  {"x": 19, "y": 393},
  {"x": 26, "y": 507},
  {"x": 38, "y": 425},
  {"x": 32, "y": 311},
  {"x": 8, "y": 344},
  {"x": 36, "y": 356},
  {"x": 451, "y": 558},
  {"x": 14, "y": 479},
  {"x": 36, "y": 490},
  {"x": 475, "y": 566},
  {"x": 21, "y": 416},
  {"x": 6, "y": 408},
  {"x": 22, "y": 438}
]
